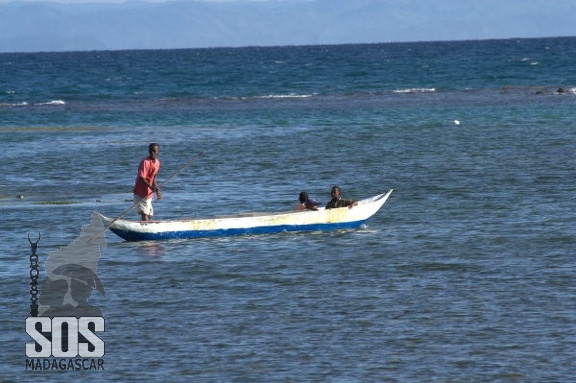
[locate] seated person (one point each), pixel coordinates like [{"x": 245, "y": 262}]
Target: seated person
[
  {"x": 306, "y": 203},
  {"x": 338, "y": 201}
]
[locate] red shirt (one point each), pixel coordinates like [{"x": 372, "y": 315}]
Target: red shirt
[{"x": 147, "y": 169}]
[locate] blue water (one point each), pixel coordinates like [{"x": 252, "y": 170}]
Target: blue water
[{"x": 466, "y": 274}]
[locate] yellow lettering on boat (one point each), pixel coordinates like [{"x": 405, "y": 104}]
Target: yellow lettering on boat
[
  {"x": 337, "y": 215},
  {"x": 203, "y": 224}
]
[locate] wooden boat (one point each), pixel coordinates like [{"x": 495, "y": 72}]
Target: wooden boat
[{"x": 252, "y": 223}]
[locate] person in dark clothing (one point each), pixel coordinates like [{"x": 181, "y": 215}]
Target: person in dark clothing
[{"x": 337, "y": 200}]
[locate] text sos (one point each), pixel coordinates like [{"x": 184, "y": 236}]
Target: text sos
[{"x": 65, "y": 337}]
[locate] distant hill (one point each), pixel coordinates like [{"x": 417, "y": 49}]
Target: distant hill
[{"x": 46, "y": 26}]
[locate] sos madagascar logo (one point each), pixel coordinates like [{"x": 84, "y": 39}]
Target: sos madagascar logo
[{"x": 63, "y": 326}]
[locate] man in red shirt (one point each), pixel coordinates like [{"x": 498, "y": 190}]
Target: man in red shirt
[{"x": 145, "y": 185}]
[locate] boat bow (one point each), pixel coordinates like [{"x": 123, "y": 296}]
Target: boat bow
[{"x": 253, "y": 223}]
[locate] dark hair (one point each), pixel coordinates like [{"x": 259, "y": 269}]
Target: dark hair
[
  {"x": 303, "y": 197},
  {"x": 151, "y": 146}
]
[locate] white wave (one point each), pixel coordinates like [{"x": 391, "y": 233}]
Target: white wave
[
  {"x": 289, "y": 95},
  {"x": 23, "y": 103},
  {"x": 53, "y": 102},
  {"x": 415, "y": 90}
]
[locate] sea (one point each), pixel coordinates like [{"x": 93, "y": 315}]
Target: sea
[{"x": 466, "y": 274}]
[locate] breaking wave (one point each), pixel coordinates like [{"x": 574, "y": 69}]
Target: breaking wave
[{"x": 415, "y": 90}]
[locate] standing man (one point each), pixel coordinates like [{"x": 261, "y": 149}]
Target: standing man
[
  {"x": 145, "y": 185},
  {"x": 337, "y": 200}
]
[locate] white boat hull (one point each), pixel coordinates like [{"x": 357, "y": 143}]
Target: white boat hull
[{"x": 244, "y": 224}]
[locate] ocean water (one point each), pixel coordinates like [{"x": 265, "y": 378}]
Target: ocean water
[{"x": 467, "y": 274}]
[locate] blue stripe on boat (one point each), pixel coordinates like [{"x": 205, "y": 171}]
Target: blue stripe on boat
[
  {"x": 141, "y": 236},
  {"x": 248, "y": 224}
]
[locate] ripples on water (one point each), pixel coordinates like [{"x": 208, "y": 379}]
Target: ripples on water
[{"x": 464, "y": 275}]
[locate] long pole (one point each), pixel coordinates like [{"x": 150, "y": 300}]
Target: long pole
[{"x": 161, "y": 184}]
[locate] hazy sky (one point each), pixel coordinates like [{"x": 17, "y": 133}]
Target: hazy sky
[
  {"x": 91, "y": 1},
  {"x": 114, "y": 1},
  {"x": 57, "y": 25}
]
